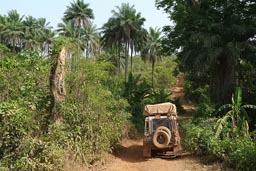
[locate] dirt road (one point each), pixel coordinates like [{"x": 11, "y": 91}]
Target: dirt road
[
  {"x": 129, "y": 158},
  {"x": 178, "y": 93}
]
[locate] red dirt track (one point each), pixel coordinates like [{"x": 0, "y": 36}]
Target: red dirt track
[{"x": 129, "y": 157}]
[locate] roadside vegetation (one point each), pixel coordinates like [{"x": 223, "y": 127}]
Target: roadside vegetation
[
  {"x": 216, "y": 42},
  {"x": 70, "y": 94}
]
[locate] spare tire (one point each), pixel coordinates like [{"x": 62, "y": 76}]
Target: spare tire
[
  {"x": 161, "y": 137},
  {"x": 164, "y": 129}
]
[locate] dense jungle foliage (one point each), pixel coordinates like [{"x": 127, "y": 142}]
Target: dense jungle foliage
[{"x": 108, "y": 75}]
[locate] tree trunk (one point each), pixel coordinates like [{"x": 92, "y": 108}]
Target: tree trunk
[
  {"x": 131, "y": 56},
  {"x": 153, "y": 68},
  {"x": 119, "y": 57},
  {"x": 87, "y": 50},
  {"x": 57, "y": 84},
  {"x": 223, "y": 82},
  {"x": 126, "y": 60}
]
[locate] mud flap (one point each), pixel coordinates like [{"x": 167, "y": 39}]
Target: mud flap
[{"x": 177, "y": 151}]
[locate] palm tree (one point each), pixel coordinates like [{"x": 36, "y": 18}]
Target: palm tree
[
  {"x": 140, "y": 40},
  {"x": 152, "y": 49},
  {"x": 27, "y": 34},
  {"x": 31, "y": 33},
  {"x": 124, "y": 15},
  {"x": 48, "y": 35},
  {"x": 3, "y": 21},
  {"x": 44, "y": 27},
  {"x": 37, "y": 33},
  {"x": 79, "y": 14},
  {"x": 237, "y": 114},
  {"x": 12, "y": 30},
  {"x": 138, "y": 35},
  {"x": 112, "y": 40},
  {"x": 121, "y": 31},
  {"x": 91, "y": 38},
  {"x": 67, "y": 29}
]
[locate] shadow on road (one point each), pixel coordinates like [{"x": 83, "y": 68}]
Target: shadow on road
[{"x": 130, "y": 153}]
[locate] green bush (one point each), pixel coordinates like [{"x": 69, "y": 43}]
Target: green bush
[
  {"x": 21, "y": 147},
  {"x": 90, "y": 132},
  {"x": 237, "y": 153},
  {"x": 158, "y": 96},
  {"x": 24, "y": 76},
  {"x": 16, "y": 122},
  {"x": 165, "y": 76},
  {"x": 135, "y": 91},
  {"x": 23, "y": 104},
  {"x": 203, "y": 110},
  {"x": 38, "y": 155},
  {"x": 242, "y": 157},
  {"x": 197, "y": 95},
  {"x": 4, "y": 51},
  {"x": 198, "y": 137}
]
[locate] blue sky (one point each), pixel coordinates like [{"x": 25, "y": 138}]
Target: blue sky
[{"x": 53, "y": 10}]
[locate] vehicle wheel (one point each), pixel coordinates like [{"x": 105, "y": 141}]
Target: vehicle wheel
[{"x": 161, "y": 138}]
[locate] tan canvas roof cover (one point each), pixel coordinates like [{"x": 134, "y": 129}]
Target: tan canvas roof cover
[{"x": 161, "y": 108}]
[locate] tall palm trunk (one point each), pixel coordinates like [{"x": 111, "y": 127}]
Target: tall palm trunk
[
  {"x": 87, "y": 50},
  {"x": 13, "y": 48},
  {"x": 153, "y": 71},
  {"x": 127, "y": 45},
  {"x": 79, "y": 30},
  {"x": 119, "y": 57},
  {"x": 131, "y": 56}
]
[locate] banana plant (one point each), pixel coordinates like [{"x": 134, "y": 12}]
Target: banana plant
[{"x": 236, "y": 114}]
